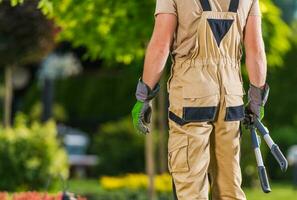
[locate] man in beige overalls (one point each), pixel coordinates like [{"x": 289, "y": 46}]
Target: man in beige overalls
[{"x": 205, "y": 90}]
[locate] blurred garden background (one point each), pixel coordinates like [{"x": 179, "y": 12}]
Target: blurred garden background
[{"x": 69, "y": 70}]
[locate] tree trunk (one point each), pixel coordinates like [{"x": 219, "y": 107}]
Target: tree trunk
[
  {"x": 162, "y": 127},
  {"x": 8, "y": 96},
  {"x": 47, "y": 99},
  {"x": 150, "y": 161}
]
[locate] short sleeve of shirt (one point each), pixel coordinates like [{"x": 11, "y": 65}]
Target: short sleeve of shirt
[
  {"x": 165, "y": 6},
  {"x": 255, "y": 9}
]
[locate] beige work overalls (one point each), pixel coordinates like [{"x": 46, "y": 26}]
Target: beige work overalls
[{"x": 206, "y": 106}]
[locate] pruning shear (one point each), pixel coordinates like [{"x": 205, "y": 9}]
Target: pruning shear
[{"x": 254, "y": 124}]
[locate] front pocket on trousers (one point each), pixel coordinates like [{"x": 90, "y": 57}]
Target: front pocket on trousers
[{"x": 178, "y": 153}]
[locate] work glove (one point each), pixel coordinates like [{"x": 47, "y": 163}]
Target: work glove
[
  {"x": 257, "y": 98},
  {"x": 142, "y": 110}
]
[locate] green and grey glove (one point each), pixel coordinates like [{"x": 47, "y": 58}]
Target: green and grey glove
[
  {"x": 257, "y": 100},
  {"x": 142, "y": 110}
]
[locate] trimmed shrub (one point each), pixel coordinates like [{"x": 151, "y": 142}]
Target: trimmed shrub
[{"x": 30, "y": 155}]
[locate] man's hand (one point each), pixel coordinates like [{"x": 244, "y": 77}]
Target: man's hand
[
  {"x": 257, "y": 100},
  {"x": 141, "y": 115},
  {"x": 142, "y": 110}
]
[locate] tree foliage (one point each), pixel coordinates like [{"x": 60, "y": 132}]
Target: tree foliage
[
  {"x": 25, "y": 33},
  {"x": 26, "y": 36},
  {"x": 276, "y": 33},
  {"x": 290, "y": 6},
  {"x": 117, "y": 31}
]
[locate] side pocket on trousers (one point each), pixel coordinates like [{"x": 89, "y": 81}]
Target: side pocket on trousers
[{"x": 178, "y": 153}]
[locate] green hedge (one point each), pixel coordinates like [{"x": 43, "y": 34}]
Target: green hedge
[
  {"x": 99, "y": 97},
  {"x": 29, "y": 156},
  {"x": 281, "y": 109},
  {"x": 285, "y": 137},
  {"x": 119, "y": 148},
  {"x": 91, "y": 98}
]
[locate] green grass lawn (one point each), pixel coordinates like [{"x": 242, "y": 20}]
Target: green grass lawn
[
  {"x": 88, "y": 186},
  {"x": 280, "y": 191}
]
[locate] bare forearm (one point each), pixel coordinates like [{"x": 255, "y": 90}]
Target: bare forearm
[
  {"x": 154, "y": 64},
  {"x": 158, "y": 48},
  {"x": 255, "y": 52},
  {"x": 257, "y": 67}
]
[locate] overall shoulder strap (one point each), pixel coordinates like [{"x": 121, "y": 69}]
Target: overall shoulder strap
[
  {"x": 205, "y": 5},
  {"x": 233, "y": 5}
]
